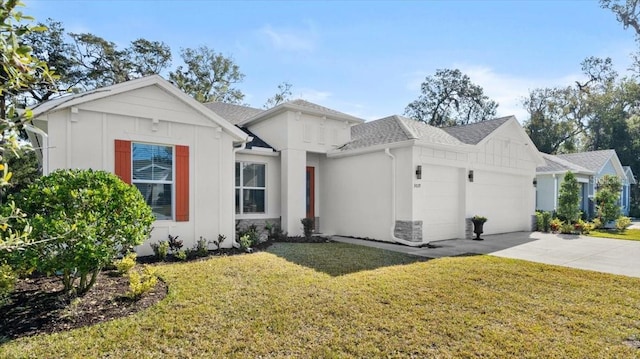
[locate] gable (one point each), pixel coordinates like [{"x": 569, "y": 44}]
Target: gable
[{"x": 511, "y": 137}]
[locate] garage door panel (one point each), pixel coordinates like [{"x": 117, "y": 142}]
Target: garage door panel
[{"x": 440, "y": 202}]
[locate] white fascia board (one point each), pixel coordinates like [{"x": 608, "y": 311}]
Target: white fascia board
[
  {"x": 369, "y": 149},
  {"x": 259, "y": 152}
]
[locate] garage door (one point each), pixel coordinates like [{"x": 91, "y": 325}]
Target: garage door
[
  {"x": 439, "y": 202},
  {"x": 504, "y": 199}
]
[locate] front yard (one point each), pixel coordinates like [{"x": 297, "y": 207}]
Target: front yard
[
  {"x": 337, "y": 300},
  {"x": 631, "y": 234}
]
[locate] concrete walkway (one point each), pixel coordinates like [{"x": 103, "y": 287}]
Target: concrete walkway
[{"x": 598, "y": 254}]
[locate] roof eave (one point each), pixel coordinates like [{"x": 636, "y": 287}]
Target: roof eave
[{"x": 362, "y": 150}]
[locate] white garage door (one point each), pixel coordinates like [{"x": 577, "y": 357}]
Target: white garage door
[
  {"x": 503, "y": 198},
  {"x": 439, "y": 202}
]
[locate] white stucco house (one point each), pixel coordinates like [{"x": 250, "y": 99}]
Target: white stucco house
[
  {"x": 204, "y": 167},
  {"x": 588, "y": 167}
]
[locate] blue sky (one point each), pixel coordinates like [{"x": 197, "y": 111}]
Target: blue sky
[{"x": 368, "y": 58}]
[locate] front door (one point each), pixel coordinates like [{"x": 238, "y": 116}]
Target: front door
[{"x": 311, "y": 192}]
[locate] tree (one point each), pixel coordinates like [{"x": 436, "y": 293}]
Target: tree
[
  {"x": 208, "y": 76},
  {"x": 282, "y": 95},
  {"x": 626, "y": 11},
  {"x": 449, "y": 98},
  {"x": 608, "y": 198},
  {"x": 569, "y": 198},
  {"x": 83, "y": 219},
  {"x": 20, "y": 71},
  {"x": 24, "y": 168}
]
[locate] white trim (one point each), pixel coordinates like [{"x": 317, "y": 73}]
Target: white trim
[{"x": 242, "y": 187}]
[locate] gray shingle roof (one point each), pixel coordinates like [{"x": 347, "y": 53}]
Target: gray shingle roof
[
  {"x": 320, "y": 109},
  {"x": 592, "y": 160},
  {"x": 473, "y": 133},
  {"x": 555, "y": 164},
  {"x": 394, "y": 129},
  {"x": 233, "y": 113}
]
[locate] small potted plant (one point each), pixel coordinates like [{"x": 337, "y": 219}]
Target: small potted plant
[{"x": 478, "y": 223}]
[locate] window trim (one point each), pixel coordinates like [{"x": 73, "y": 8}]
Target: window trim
[
  {"x": 241, "y": 187},
  {"x": 173, "y": 176}
]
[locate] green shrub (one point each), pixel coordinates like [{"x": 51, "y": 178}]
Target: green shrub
[
  {"x": 567, "y": 228},
  {"x": 622, "y": 223},
  {"x": 539, "y": 221},
  {"x": 201, "y": 249},
  {"x": 141, "y": 282},
  {"x": 81, "y": 220},
  {"x": 275, "y": 232},
  {"x": 587, "y": 228},
  {"x": 181, "y": 255},
  {"x": 307, "y": 227},
  {"x": 546, "y": 221},
  {"x": 245, "y": 242},
  {"x": 7, "y": 282},
  {"x": 160, "y": 250},
  {"x": 597, "y": 223},
  {"x": 607, "y": 198},
  {"x": 569, "y": 198},
  {"x": 124, "y": 265}
]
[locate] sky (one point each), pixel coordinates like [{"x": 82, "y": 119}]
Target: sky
[{"x": 368, "y": 58}]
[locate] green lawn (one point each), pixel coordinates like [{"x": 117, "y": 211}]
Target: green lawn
[
  {"x": 337, "y": 300},
  {"x": 629, "y": 234}
]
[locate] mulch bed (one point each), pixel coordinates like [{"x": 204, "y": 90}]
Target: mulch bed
[{"x": 37, "y": 305}]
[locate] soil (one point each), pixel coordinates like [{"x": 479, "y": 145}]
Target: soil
[{"x": 38, "y": 306}]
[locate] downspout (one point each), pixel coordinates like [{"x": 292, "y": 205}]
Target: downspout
[
  {"x": 242, "y": 146},
  {"x": 393, "y": 205},
  {"x": 555, "y": 192}
]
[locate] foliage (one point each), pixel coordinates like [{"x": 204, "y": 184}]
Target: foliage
[
  {"x": 251, "y": 232},
  {"x": 245, "y": 242},
  {"x": 20, "y": 71},
  {"x": 622, "y": 223},
  {"x": 81, "y": 220},
  {"x": 567, "y": 228},
  {"x": 607, "y": 198},
  {"x": 555, "y": 224},
  {"x": 569, "y": 198},
  {"x": 282, "y": 95},
  {"x": 218, "y": 242},
  {"x": 24, "y": 168},
  {"x": 587, "y": 227},
  {"x": 346, "y": 299},
  {"x": 181, "y": 255},
  {"x": 201, "y": 248},
  {"x": 174, "y": 243},
  {"x": 208, "y": 76},
  {"x": 275, "y": 232},
  {"x": 160, "y": 250},
  {"x": 308, "y": 225},
  {"x": 126, "y": 263},
  {"x": 478, "y": 219},
  {"x": 449, "y": 98},
  {"x": 597, "y": 223},
  {"x": 141, "y": 282},
  {"x": 543, "y": 221},
  {"x": 7, "y": 282}
]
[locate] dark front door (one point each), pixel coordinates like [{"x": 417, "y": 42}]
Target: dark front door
[{"x": 311, "y": 201}]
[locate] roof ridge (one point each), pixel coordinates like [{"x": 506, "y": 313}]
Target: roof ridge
[{"x": 405, "y": 128}]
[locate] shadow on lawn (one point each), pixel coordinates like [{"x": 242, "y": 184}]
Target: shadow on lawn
[{"x": 336, "y": 259}]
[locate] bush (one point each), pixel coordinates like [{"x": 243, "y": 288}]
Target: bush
[
  {"x": 275, "y": 232},
  {"x": 597, "y": 223},
  {"x": 587, "y": 227},
  {"x": 569, "y": 198},
  {"x": 546, "y": 221},
  {"x": 221, "y": 238},
  {"x": 7, "y": 282},
  {"x": 181, "y": 255},
  {"x": 607, "y": 198},
  {"x": 307, "y": 227},
  {"x": 245, "y": 243},
  {"x": 567, "y": 228},
  {"x": 81, "y": 220},
  {"x": 141, "y": 282},
  {"x": 174, "y": 244},
  {"x": 555, "y": 225},
  {"x": 160, "y": 250},
  {"x": 124, "y": 265},
  {"x": 201, "y": 249},
  {"x": 622, "y": 223}
]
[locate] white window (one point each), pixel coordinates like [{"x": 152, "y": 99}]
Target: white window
[
  {"x": 250, "y": 187},
  {"x": 152, "y": 172}
]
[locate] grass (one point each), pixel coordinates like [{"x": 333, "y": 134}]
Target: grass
[
  {"x": 631, "y": 234},
  {"x": 337, "y": 300}
]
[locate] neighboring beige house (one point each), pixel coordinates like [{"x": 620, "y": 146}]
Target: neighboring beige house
[
  {"x": 392, "y": 179},
  {"x": 588, "y": 167}
]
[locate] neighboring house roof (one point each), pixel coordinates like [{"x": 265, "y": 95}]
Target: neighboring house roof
[
  {"x": 395, "y": 129},
  {"x": 153, "y": 80},
  {"x": 555, "y": 164},
  {"x": 592, "y": 160},
  {"x": 474, "y": 133},
  {"x": 304, "y": 107},
  {"x": 233, "y": 113},
  {"x": 629, "y": 173}
]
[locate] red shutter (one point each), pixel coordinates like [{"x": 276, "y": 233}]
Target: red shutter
[
  {"x": 182, "y": 183},
  {"x": 123, "y": 160}
]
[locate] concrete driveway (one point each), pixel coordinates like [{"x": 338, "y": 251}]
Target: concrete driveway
[{"x": 598, "y": 254}]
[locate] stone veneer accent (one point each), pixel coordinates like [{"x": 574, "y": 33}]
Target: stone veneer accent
[
  {"x": 408, "y": 230},
  {"x": 534, "y": 223},
  {"x": 242, "y": 224},
  {"x": 468, "y": 229}
]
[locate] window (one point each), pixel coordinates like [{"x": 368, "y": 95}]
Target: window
[
  {"x": 152, "y": 173},
  {"x": 250, "y": 187}
]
